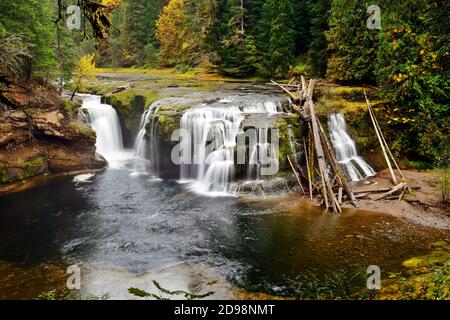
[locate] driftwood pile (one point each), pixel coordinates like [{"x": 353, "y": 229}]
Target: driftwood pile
[{"x": 324, "y": 177}]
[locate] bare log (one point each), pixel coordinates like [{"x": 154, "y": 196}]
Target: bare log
[
  {"x": 397, "y": 188},
  {"x": 303, "y": 95},
  {"x": 327, "y": 190},
  {"x": 294, "y": 98},
  {"x": 382, "y": 190},
  {"x": 336, "y": 166},
  {"x": 385, "y": 143},
  {"x": 296, "y": 175},
  {"x": 309, "y": 172},
  {"x": 372, "y": 116}
]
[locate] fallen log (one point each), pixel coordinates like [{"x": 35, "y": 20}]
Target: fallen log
[
  {"x": 340, "y": 195},
  {"x": 397, "y": 188},
  {"x": 382, "y": 190},
  {"x": 336, "y": 167},
  {"x": 309, "y": 172},
  {"x": 378, "y": 133},
  {"x": 362, "y": 195},
  {"x": 327, "y": 189},
  {"x": 294, "y": 98},
  {"x": 384, "y": 139},
  {"x": 296, "y": 175}
]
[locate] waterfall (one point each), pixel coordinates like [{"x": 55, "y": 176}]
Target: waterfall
[
  {"x": 214, "y": 129},
  {"x": 262, "y": 149},
  {"x": 105, "y": 122},
  {"x": 146, "y": 147},
  {"x": 292, "y": 145},
  {"x": 213, "y": 134},
  {"x": 344, "y": 146}
]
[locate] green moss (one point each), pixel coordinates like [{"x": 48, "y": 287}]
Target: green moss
[
  {"x": 31, "y": 168},
  {"x": 3, "y": 173},
  {"x": 82, "y": 129},
  {"x": 168, "y": 122},
  {"x": 284, "y": 125},
  {"x": 335, "y": 98},
  {"x": 174, "y": 109},
  {"x": 425, "y": 277},
  {"x": 125, "y": 104},
  {"x": 68, "y": 106},
  {"x": 417, "y": 165}
]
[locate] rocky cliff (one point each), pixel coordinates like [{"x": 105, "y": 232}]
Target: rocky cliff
[{"x": 40, "y": 134}]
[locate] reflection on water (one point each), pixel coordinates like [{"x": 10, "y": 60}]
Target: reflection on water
[{"x": 149, "y": 229}]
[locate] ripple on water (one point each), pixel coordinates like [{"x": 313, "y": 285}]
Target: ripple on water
[{"x": 143, "y": 226}]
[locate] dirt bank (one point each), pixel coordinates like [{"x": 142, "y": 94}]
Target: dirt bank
[{"x": 423, "y": 207}]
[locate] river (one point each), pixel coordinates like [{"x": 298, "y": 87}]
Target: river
[{"x": 125, "y": 229}]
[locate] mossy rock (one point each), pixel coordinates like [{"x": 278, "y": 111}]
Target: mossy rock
[
  {"x": 440, "y": 255},
  {"x": 426, "y": 277},
  {"x": 82, "y": 129},
  {"x": 31, "y": 168},
  {"x": 3, "y": 173},
  {"x": 169, "y": 118},
  {"x": 130, "y": 104}
]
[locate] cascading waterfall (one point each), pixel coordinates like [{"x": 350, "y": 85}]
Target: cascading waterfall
[
  {"x": 147, "y": 158},
  {"x": 260, "y": 104},
  {"x": 355, "y": 167},
  {"x": 213, "y": 137},
  {"x": 292, "y": 145},
  {"x": 105, "y": 122},
  {"x": 213, "y": 141},
  {"x": 262, "y": 149}
]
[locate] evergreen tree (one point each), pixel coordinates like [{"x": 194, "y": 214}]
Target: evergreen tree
[
  {"x": 239, "y": 53},
  {"x": 302, "y": 25},
  {"x": 277, "y": 37},
  {"x": 318, "y": 45},
  {"x": 32, "y": 20},
  {"x": 134, "y": 36},
  {"x": 412, "y": 72},
  {"x": 352, "y": 45}
]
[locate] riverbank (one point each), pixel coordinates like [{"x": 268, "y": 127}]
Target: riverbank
[
  {"x": 423, "y": 207},
  {"x": 41, "y": 135}
]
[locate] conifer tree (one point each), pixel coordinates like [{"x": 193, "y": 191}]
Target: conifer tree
[{"x": 277, "y": 37}]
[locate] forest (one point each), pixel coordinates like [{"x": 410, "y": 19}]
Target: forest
[
  {"x": 346, "y": 101},
  {"x": 278, "y": 39}
]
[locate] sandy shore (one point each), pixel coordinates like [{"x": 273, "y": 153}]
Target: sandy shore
[{"x": 424, "y": 207}]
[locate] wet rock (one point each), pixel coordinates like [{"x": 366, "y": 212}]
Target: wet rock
[
  {"x": 262, "y": 187},
  {"x": 45, "y": 137}
]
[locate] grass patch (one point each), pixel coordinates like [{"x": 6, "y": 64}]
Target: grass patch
[
  {"x": 335, "y": 98},
  {"x": 417, "y": 165},
  {"x": 197, "y": 73}
]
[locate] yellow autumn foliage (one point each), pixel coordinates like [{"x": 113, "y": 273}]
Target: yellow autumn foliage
[
  {"x": 181, "y": 31},
  {"x": 112, "y": 4},
  {"x": 84, "y": 72}
]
